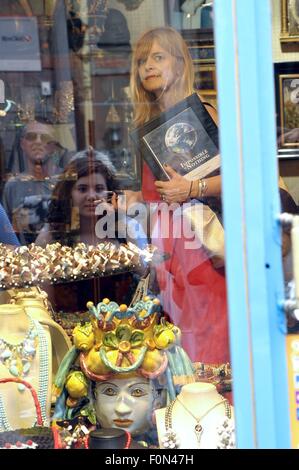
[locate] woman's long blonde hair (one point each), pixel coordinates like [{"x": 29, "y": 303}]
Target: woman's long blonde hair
[{"x": 145, "y": 103}]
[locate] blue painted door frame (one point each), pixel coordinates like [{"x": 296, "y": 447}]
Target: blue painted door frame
[{"x": 243, "y": 34}]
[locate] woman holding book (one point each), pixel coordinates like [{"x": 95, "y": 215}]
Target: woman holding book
[
  {"x": 162, "y": 75},
  {"x": 193, "y": 291},
  {"x": 192, "y": 284}
]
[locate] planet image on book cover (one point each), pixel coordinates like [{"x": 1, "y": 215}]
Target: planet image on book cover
[{"x": 180, "y": 137}]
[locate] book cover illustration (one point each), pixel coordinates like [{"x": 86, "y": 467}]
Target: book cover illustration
[{"x": 185, "y": 137}]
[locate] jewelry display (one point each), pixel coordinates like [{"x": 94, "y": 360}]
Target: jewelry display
[
  {"x": 219, "y": 375},
  {"x": 64, "y": 102},
  {"x": 27, "y": 106},
  {"x": 38, "y": 435},
  {"x": 20, "y": 445},
  {"x": 68, "y": 320},
  {"x": 44, "y": 347},
  {"x": 68, "y": 436},
  {"x": 32, "y": 264},
  {"x": 17, "y": 358},
  {"x": 77, "y": 436},
  {"x": 226, "y": 435},
  {"x": 170, "y": 440}
]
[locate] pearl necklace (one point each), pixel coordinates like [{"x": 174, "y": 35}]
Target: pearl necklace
[
  {"x": 18, "y": 357},
  {"x": 44, "y": 348},
  {"x": 170, "y": 439}
]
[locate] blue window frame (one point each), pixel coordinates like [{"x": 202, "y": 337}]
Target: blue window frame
[{"x": 251, "y": 205}]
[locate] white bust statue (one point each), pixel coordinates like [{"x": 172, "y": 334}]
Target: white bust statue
[{"x": 199, "y": 418}]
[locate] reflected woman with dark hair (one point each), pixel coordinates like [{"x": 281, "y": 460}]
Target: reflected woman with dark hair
[
  {"x": 88, "y": 180},
  {"x": 83, "y": 209}
]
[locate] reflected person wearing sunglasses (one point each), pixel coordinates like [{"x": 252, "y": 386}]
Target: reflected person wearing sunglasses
[
  {"x": 33, "y": 136},
  {"x": 26, "y": 195},
  {"x": 35, "y": 144}
]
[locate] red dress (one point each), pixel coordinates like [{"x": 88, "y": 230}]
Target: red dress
[{"x": 193, "y": 293}]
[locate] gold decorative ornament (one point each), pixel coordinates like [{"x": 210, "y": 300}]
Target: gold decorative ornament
[
  {"x": 64, "y": 102},
  {"x": 76, "y": 384},
  {"x": 32, "y": 264}
]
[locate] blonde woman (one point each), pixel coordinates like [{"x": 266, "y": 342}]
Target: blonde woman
[
  {"x": 193, "y": 292},
  {"x": 162, "y": 74}
]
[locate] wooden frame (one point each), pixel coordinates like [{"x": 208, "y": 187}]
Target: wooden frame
[
  {"x": 289, "y": 35},
  {"x": 287, "y": 108},
  {"x": 205, "y": 78},
  {"x": 201, "y": 46},
  {"x": 203, "y": 53},
  {"x": 202, "y": 49},
  {"x": 205, "y": 82}
]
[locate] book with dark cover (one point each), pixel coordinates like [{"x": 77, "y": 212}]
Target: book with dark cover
[{"x": 185, "y": 137}]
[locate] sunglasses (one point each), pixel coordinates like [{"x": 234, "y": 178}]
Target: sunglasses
[{"x": 32, "y": 136}]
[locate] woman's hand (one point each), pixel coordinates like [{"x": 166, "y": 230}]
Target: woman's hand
[
  {"x": 128, "y": 198},
  {"x": 178, "y": 189}
]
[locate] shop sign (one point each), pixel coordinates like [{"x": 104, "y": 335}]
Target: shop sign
[{"x": 19, "y": 44}]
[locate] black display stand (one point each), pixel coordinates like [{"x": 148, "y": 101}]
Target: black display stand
[{"x": 110, "y": 439}]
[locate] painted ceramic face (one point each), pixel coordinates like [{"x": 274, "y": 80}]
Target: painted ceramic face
[
  {"x": 87, "y": 192},
  {"x": 36, "y": 143},
  {"x": 157, "y": 71},
  {"x": 125, "y": 404}
]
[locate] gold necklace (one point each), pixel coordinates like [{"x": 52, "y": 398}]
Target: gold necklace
[{"x": 170, "y": 439}]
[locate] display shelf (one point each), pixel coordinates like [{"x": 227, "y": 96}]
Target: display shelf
[
  {"x": 73, "y": 278},
  {"x": 68, "y": 320},
  {"x": 21, "y": 268}
]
